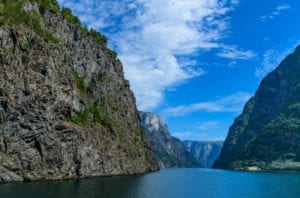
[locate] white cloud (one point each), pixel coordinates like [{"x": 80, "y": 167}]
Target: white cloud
[
  {"x": 196, "y": 136},
  {"x": 150, "y": 35},
  {"x": 271, "y": 59},
  {"x": 208, "y": 125},
  {"x": 188, "y": 135},
  {"x": 235, "y": 53},
  {"x": 278, "y": 10},
  {"x": 232, "y": 103}
]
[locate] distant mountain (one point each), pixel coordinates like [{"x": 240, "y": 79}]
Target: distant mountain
[
  {"x": 204, "y": 152},
  {"x": 169, "y": 151},
  {"x": 267, "y": 134}
]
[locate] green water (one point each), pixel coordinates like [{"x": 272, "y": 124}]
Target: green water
[{"x": 169, "y": 183}]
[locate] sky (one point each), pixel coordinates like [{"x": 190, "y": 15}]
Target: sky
[{"x": 195, "y": 62}]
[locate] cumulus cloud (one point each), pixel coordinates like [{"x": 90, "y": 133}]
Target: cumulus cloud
[
  {"x": 232, "y": 103},
  {"x": 272, "y": 15},
  {"x": 151, "y": 35}
]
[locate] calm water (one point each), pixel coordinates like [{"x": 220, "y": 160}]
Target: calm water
[{"x": 167, "y": 183}]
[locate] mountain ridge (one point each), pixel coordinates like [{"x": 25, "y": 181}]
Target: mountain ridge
[
  {"x": 169, "y": 151},
  {"x": 66, "y": 110},
  {"x": 266, "y": 134},
  {"x": 205, "y": 152}
]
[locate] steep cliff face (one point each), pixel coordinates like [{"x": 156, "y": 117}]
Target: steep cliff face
[
  {"x": 204, "y": 152},
  {"x": 267, "y": 134},
  {"x": 66, "y": 110},
  {"x": 169, "y": 151}
]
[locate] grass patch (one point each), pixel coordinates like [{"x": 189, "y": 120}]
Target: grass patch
[
  {"x": 128, "y": 150},
  {"x": 67, "y": 14},
  {"x": 13, "y": 13},
  {"x": 48, "y": 4},
  {"x": 98, "y": 37},
  {"x": 94, "y": 113},
  {"x": 79, "y": 80},
  {"x": 4, "y": 55}
]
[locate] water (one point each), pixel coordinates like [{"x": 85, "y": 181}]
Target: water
[{"x": 169, "y": 183}]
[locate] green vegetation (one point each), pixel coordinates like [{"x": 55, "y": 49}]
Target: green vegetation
[
  {"x": 80, "y": 82},
  {"x": 267, "y": 135},
  {"x": 113, "y": 54},
  {"x": 5, "y": 55},
  {"x": 53, "y": 6},
  {"x": 67, "y": 59},
  {"x": 280, "y": 164},
  {"x": 13, "y": 13},
  {"x": 94, "y": 113},
  {"x": 244, "y": 164},
  {"x": 25, "y": 59},
  {"x": 98, "y": 37},
  {"x": 67, "y": 14},
  {"x": 48, "y": 4},
  {"x": 128, "y": 149},
  {"x": 101, "y": 39},
  {"x": 284, "y": 165},
  {"x": 25, "y": 46}
]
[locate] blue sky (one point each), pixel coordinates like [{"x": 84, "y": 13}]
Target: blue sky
[{"x": 195, "y": 62}]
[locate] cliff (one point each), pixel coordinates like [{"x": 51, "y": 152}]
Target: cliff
[
  {"x": 66, "y": 110},
  {"x": 204, "y": 152},
  {"x": 169, "y": 151},
  {"x": 266, "y": 136}
]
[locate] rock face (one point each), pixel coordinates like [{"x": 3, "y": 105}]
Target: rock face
[
  {"x": 267, "y": 134},
  {"x": 169, "y": 151},
  {"x": 66, "y": 110},
  {"x": 204, "y": 152}
]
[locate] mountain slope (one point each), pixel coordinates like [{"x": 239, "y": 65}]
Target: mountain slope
[
  {"x": 169, "y": 151},
  {"x": 66, "y": 110},
  {"x": 204, "y": 152},
  {"x": 267, "y": 134}
]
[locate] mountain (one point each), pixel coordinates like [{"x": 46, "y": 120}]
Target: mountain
[
  {"x": 266, "y": 136},
  {"x": 169, "y": 151},
  {"x": 66, "y": 110},
  {"x": 203, "y": 151}
]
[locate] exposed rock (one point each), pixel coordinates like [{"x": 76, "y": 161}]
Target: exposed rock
[
  {"x": 169, "y": 151},
  {"x": 203, "y": 151},
  {"x": 267, "y": 134},
  {"x": 66, "y": 110}
]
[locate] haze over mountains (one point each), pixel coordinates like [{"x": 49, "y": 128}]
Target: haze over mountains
[
  {"x": 170, "y": 151},
  {"x": 204, "y": 152}
]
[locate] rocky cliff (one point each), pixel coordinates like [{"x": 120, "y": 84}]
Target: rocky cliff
[
  {"x": 267, "y": 134},
  {"x": 204, "y": 152},
  {"x": 169, "y": 151},
  {"x": 66, "y": 110}
]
